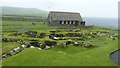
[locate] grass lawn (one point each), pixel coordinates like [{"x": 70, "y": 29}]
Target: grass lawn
[
  {"x": 58, "y": 56},
  {"x": 8, "y": 46}
]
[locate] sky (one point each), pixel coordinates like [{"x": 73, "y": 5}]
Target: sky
[{"x": 87, "y": 8}]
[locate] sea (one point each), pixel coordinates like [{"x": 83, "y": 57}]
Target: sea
[{"x": 111, "y": 23}]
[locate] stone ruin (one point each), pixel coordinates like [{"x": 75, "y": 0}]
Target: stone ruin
[
  {"x": 11, "y": 40},
  {"x": 16, "y": 34},
  {"x": 32, "y": 34}
]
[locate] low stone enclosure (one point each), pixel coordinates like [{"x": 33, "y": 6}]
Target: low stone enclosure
[
  {"x": 75, "y": 39},
  {"x": 47, "y": 45}
]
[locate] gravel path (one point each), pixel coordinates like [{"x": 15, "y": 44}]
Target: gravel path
[{"x": 115, "y": 56}]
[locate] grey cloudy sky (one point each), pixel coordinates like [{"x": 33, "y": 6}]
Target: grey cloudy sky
[{"x": 87, "y": 8}]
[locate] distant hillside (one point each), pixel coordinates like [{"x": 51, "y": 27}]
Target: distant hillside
[{"x": 23, "y": 11}]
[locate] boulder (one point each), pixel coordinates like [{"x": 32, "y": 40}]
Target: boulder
[
  {"x": 55, "y": 38},
  {"x": 74, "y": 34},
  {"x": 32, "y": 34},
  {"x": 15, "y": 34},
  {"x": 50, "y": 43},
  {"x": 42, "y": 46},
  {"x": 32, "y": 47},
  {"x": 35, "y": 43},
  {"x": 11, "y": 40},
  {"x": 39, "y": 48},
  {"x": 79, "y": 38},
  {"x": 4, "y": 56},
  {"x": 88, "y": 45},
  {"x": 69, "y": 42},
  {"x": 64, "y": 45},
  {"x": 47, "y": 47},
  {"x": 53, "y": 31},
  {"x": 27, "y": 45},
  {"x": 51, "y": 36},
  {"x": 16, "y": 50},
  {"x": 8, "y": 54},
  {"x": 58, "y": 35},
  {"x": 42, "y": 35},
  {"x": 24, "y": 46},
  {"x": 76, "y": 44}
]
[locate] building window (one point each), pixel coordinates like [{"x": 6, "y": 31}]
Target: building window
[
  {"x": 60, "y": 22},
  {"x": 83, "y": 23},
  {"x": 68, "y": 22},
  {"x": 71, "y": 22},
  {"x": 64, "y": 22}
]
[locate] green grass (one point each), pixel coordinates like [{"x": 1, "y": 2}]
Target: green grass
[
  {"x": 23, "y": 26},
  {"x": 75, "y": 56},
  {"x": 8, "y": 46},
  {"x": 91, "y": 57}
]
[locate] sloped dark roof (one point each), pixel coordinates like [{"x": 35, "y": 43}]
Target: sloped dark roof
[{"x": 55, "y": 15}]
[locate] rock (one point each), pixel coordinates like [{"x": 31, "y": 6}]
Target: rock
[
  {"x": 42, "y": 35},
  {"x": 15, "y": 34},
  {"x": 16, "y": 50},
  {"x": 11, "y": 40},
  {"x": 51, "y": 36},
  {"x": 32, "y": 47},
  {"x": 32, "y": 34},
  {"x": 80, "y": 38},
  {"x": 9, "y": 54},
  {"x": 47, "y": 47},
  {"x": 50, "y": 43},
  {"x": 27, "y": 45},
  {"x": 24, "y": 46},
  {"x": 64, "y": 45},
  {"x": 52, "y": 46},
  {"x": 55, "y": 38},
  {"x": 74, "y": 34},
  {"x": 39, "y": 48},
  {"x": 12, "y": 52},
  {"x": 21, "y": 49},
  {"x": 42, "y": 46},
  {"x": 88, "y": 45},
  {"x": 52, "y": 31},
  {"x": 82, "y": 44},
  {"x": 69, "y": 42},
  {"x": 76, "y": 44},
  {"x": 58, "y": 35},
  {"x": 4, "y": 56},
  {"x": 35, "y": 44}
]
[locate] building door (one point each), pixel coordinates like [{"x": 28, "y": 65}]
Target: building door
[{"x": 76, "y": 23}]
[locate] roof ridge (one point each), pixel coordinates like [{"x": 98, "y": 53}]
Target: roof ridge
[{"x": 62, "y": 12}]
